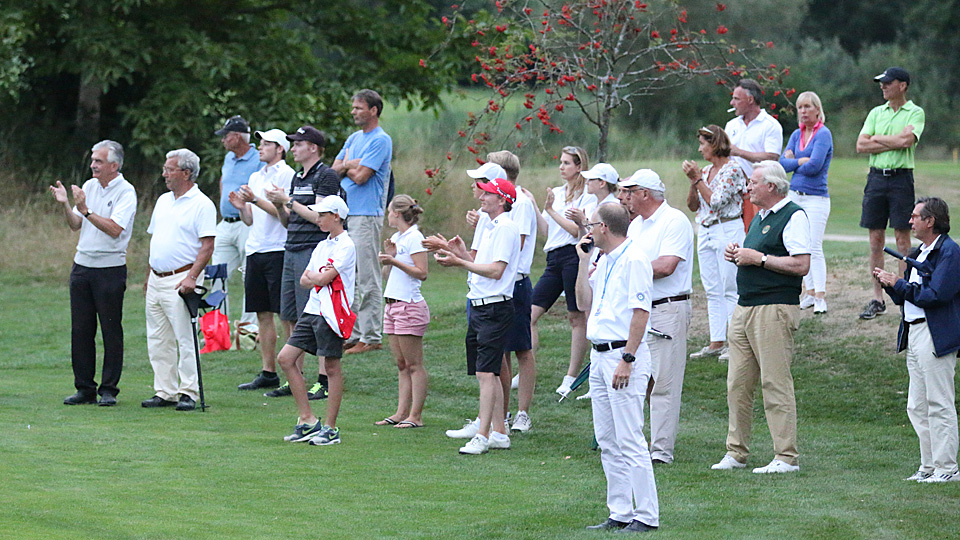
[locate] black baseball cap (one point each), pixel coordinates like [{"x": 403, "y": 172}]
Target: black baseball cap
[
  {"x": 309, "y": 134},
  {"x": 893, "y": 74},
  {"x": 234, "y": 123}
]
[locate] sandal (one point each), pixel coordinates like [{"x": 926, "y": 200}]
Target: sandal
[
  {"x": 406, "y": 424},
  {"x": 386, "y": 422}
]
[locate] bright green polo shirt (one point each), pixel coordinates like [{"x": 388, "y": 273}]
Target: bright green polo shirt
[{"x": 882, "y": 120}]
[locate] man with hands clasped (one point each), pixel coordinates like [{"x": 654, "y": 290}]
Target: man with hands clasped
[{"x": 617, "y": 296}]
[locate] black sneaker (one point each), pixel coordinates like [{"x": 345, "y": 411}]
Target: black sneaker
[
  {"x": 279, "y": 392},
  {"x": 874, "y": 308},
  {"x": 264, "y": 379},
  {"x": 317, "y": 391}
]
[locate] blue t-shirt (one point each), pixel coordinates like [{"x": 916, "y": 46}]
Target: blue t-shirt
[
  {"x": 375, "y": 150},
  {"x": 235, "y": 173}
]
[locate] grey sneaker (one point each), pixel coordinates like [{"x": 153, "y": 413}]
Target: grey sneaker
[
  {"x": 304, "y": 432},
  {"x": 328, "y": 435},
  {"x": 874, "y": 308},
  {"x": 918, "y": 476},
  {"x": 264, "y": 379},
  {"x": 707, "y": 352}
]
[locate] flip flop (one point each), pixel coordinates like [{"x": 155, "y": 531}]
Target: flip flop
[
  {"x": 386, "y": 422},
  {"x": 406, "y": 424}
]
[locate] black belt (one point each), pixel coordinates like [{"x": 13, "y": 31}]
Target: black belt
[
  {"x": 231, "y": 219},
  {"x": 678, "y": 298},
  {"x": 604, "y": 347},
  {"x": 390, "y": 300},
  {"x": 801, "y": 193},
  {"x": 889, "y": 172},
  {"x": 916, "y": 321}
]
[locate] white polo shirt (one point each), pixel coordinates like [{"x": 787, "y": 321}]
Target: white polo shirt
[
  {"x": 764, "y": 134},
  {"x": 499, "y": 242},
  {"x": 796, "y": 234},
  {"x": 620, "y": 283},
  {"x": 267, "y": 233},
  {"x": 344, "y": 254},
  {"x": 911, "y": 311},
  {"x": 667, "y": 232},
  {"x": 118, "y": 202},
  {"x": 524, "y": 214},
  {"x": 177, "y": 225},
  {"x": 401, "y": 285},
  {"x": 557, "y": 236}
]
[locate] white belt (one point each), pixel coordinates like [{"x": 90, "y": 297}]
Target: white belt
[{"x": 489, "y": 300}]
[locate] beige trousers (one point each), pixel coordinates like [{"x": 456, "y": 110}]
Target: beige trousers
[
  {"x": 169, "y": 332},
  {"x": 931, "y": 401}
]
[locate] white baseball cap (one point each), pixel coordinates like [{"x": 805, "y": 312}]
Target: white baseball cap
[
  {"x": 275, "y": 136},
  {"x": 332, "y": 204},
  {"x": 603, "y": 171},
  {"x": 646, "y": 179},
  {"x": 489, "y": 170}
]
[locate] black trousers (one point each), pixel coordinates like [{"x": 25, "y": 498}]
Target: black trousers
[{"x": 97, "y": 294}]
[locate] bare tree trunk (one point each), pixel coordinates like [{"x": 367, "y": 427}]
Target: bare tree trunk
[
  {"x": 87, "y": 121},
  {"x": 604, "y": 135}
]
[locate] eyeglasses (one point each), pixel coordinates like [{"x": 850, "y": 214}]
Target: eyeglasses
[
  {"x": 589, "y": 226},
  {"x": 172, "y": 169},
  {"x": 629, "y": 191}
]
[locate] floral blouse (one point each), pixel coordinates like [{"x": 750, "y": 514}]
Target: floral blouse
[{"x": 728, "y": 186}]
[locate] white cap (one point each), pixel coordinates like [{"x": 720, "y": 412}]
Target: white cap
[
  {"x": 275, "y": 136},
  {"x": 603, "y": 171},
  {"x": 333, "y": 204},
  {"x": 646, "y": 179},
  {"x": 489, "y": 170}
]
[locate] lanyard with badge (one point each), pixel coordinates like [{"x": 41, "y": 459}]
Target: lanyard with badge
[{"x": 611, "y": 264}]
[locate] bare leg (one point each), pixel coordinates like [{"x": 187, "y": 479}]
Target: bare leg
[
  {"x": 491, "y": 416},
  {"x": 288, "y": 328},
  {"x": 578, "y": 341},
  {"x": 404, "y": 387},
  {"x": 903, "y": 246},
  {"x": 535, "y": 313},
  {"x": 412, "y": 347},
  {"x": 288, "y": 363},
  {"x": 506, "y": 380},
  {"x": 268, "y": 341},
  {"x": 335, "y": 393},
  {"x": 528, "y": 379},
  {"x": 877, "y": 238}
]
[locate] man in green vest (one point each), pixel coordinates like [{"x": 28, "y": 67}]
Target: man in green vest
[{"x": 771, "y": 264}]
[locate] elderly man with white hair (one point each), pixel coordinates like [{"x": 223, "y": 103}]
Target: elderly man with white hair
[
  {"x": 183, "y": 227},
  {"x": 771, "y": 264}
]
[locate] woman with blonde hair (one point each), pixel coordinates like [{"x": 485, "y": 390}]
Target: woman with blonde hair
[{"x": 405, "y": 314}]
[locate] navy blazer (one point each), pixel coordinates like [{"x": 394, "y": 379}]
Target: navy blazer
[{"x": 938, "y": 295}]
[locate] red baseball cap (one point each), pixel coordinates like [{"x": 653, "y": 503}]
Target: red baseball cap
[{"x": 501, "y": 187}]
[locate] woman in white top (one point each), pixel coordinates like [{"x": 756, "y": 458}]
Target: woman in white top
[
  {"x": 716, "y": 195},
  {"x": 560, "y": 276},
  {"x": 602, "y": 181},
  {"x": 406, "y": 314}
]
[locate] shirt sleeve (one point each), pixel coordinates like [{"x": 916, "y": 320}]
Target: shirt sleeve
[
  {"x": 870, "y": 124},
  {"x": 796, "y": 235},
  {"x": 525, "y": 219},
  {"x": 206, "y": 219},
  {"x": 376, "y": 153},
  {"x": 773, "y": 138},
  {"x": 414, "y": 243},
  {"x": 284, "y": 180},
  {"x": 589, "y": 204},
  {"x": 153, "y": 216},
  {"x": 505, "y": 242},
  {"x": 640, "y": 275},
  {"x": 917, "y": 120},
  {"x": 125, "y": 209},
  {"x": 344, "y": 256},
  {"x": 822, "y": 146},
  {"x": 327, "y": 183},
  {"x": 790, "y": 164},
  {"x": 482, "y": 224},
  {"x": 677, "y": 238}
]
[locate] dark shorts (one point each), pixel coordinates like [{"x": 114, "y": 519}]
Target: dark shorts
[
  {"x": 262, "y": 281},
  {"x": 518, "y": 336},
  {"x": 887, "y": 198},
  {"x": 560, "y": 276},
  {"x": 293, "y": 297},
  {"x": 487, "y": 328},
  {"x": 313, "y": 334}
]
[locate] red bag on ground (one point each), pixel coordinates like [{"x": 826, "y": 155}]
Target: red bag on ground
[{"x": 216, "y": 331}]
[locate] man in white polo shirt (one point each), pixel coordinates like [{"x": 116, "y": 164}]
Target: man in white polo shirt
[
  {"x": 264, "y": 248},
  {"x": 755, "y": 136},
  {"x": 493, "y": 272},
  {"x": 183, "y": 227},
  {"x": 616, "y": 294},
  {"x": 103, "y": 213},
  {"x": 666, "y": 237}
]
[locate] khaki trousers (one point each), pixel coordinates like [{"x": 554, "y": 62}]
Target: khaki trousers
[
  {"x": 669, "y": 359},
  {"x": 761, "y": 348},
  {"x": 368, "y": 297},
  {"x": 931, "y": 401}
]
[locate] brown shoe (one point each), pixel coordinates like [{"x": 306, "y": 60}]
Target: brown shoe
[
  {"x": 362, "y": 347},
  {"x": 350, "y": 344}
]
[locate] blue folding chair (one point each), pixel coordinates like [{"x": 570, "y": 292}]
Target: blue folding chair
[{"x": 217, "y": 299}]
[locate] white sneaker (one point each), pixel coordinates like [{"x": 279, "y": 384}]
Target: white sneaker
[
  {"x": 918, "y": 476},
  {"x": 498, "y": 441},
  {"x": 724, "y": 355},
  {"x": 819, "y": 305},
  {"x": 467, "y": 431},
  {"x": 585, "y": 396},
  {"x": 522, "y": 422},
  {"x": 777, "y": 466},
  {"x": 706, "y": 352},
  {"x": 942, "y": 477},
  {"x": 564, "y": 387},
  {"x": 476, "y": 446},
  {"x": 807, "y": 301},
  {"x": 515, "y": 382},
  {"x": 727, "y": 464}
]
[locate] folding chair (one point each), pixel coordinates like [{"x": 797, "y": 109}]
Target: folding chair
[{"x": 216, "y": 274}]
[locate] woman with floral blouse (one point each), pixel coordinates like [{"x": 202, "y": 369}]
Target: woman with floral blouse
[{"x": 716, "y": 195}]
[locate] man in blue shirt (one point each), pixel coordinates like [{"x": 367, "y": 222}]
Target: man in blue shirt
[
  {"x": 241, "y": 161},
  {"x": 364, "y": 166}
]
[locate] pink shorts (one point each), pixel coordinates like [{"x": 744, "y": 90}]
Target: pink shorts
[{"x": 406, "y": 318}]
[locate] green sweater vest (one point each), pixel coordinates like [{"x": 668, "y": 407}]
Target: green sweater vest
[{"x": 759, "y": 286}]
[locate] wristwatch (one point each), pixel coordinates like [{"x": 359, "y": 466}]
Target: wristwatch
[
  {"x": 289, "y": 204},
  {"x": 87, "y": 214},
  {"x": 628, "y": 358},
  {"x": 763, "y": 261}
]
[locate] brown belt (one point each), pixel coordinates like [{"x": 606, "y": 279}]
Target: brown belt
[
  {"x": 390, "y": 300},
  {"x": 177, "y": 271},
  {"x": 678, "y": 298},
  {"x": 722, "y": 220}
]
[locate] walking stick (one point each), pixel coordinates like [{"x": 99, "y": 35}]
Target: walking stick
[{"x": 192, "y": 300}]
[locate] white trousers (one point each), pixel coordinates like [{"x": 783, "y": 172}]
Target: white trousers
[
  {"x": 229, "y": 247},
  {"x": 719, "y": 277},
  {"x": 618, "y": 426},
  {"x": 669, "y": 360},
  {"x": 931, "y": 403},
  {"x": 168, "y": 332},
  {"x": 818, "y": 211}
]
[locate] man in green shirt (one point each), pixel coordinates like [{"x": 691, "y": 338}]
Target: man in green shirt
[{"x": 890, "y": 135}]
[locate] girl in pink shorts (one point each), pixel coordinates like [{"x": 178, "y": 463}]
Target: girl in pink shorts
[{"x": 405, "y": 314}]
